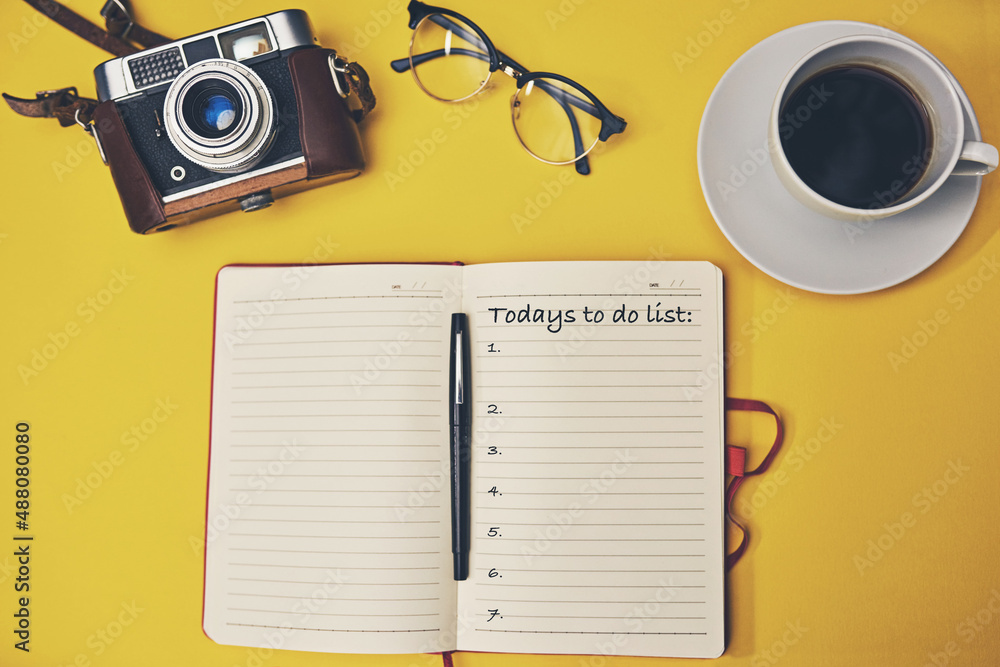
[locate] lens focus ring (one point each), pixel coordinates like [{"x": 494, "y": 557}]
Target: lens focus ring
[{"x": 220, "y": 115}]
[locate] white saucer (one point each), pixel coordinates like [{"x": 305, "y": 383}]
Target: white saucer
[{"x": 773, "y": 230}]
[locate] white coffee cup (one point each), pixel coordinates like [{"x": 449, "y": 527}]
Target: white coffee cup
[{"x": 950, "y": 153}]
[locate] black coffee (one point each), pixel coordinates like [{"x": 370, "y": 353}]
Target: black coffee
[{"x": 856, "y": 136}]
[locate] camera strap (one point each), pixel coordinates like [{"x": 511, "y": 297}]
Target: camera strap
[
  {"x": 122, "y": 36},
  {"x": 64, "y": 104}
]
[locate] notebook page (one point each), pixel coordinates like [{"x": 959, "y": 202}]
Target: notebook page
[
  {"x": 328, "y": 509},
  {"x": 597, "y": 460}
]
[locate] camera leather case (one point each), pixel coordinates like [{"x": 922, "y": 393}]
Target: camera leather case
[{"x": 170, "y": 127}]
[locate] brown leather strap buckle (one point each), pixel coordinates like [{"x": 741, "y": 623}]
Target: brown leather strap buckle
[
  {"x": 120, "y": 23},
  {"x": 78, "y": 25},
  {"x": 64, "y": 104},
  {"x": 117, "y": 18}
]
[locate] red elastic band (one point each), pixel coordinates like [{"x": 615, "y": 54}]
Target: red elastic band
[
  {"x": 736, "y": 466},
  {"x": 732, "y": 558}
]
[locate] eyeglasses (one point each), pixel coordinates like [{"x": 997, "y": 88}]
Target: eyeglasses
[{"x": 557, "y": 120}]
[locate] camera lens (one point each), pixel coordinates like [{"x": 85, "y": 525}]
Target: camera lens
[
  {"x": 219, "y": 114},
  {"x": 217, "y": 111},
  {"x": 212, "y": 108}
]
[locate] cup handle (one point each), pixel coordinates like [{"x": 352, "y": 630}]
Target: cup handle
[{"x": 977, "y": 158}]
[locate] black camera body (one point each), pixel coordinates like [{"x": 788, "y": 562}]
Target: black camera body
[{"x": 225, "y": 119}]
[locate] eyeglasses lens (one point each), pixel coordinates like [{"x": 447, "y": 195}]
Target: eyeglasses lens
[
  {"x": 555, "y": 121},
  {"x": 448, "y": 59}
]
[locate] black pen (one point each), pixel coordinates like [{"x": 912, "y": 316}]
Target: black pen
[{"x": 461, "y": 441}]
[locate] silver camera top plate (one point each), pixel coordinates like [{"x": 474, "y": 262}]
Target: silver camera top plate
[{"x": 286, "y": 29}]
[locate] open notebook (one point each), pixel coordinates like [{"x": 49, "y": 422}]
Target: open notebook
[{"x": 597, "y": 467}]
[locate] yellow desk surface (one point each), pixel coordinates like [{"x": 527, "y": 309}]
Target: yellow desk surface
[{"x": 875, "y": 539}]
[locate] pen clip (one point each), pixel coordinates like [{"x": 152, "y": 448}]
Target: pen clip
[{"x": 459, "y": 370}]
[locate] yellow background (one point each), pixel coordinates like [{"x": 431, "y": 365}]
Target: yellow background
[{"x": 878, "y": 435}]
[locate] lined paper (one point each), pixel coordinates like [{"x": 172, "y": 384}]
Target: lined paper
[
  {"x": 597, "y": 518},
  {"x": 597, "y": 459},
  {"x": 328, "y": 509}
]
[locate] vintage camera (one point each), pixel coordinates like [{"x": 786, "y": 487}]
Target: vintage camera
[{"x": 225, "y": 119}]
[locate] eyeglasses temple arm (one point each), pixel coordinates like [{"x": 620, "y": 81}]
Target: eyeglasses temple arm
[
  {"x": 564, "y": 97},
  {"x": 400, "y": 65},
  {"x": 582, "y": 164},
  {"x": 403, "y": 64}
]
